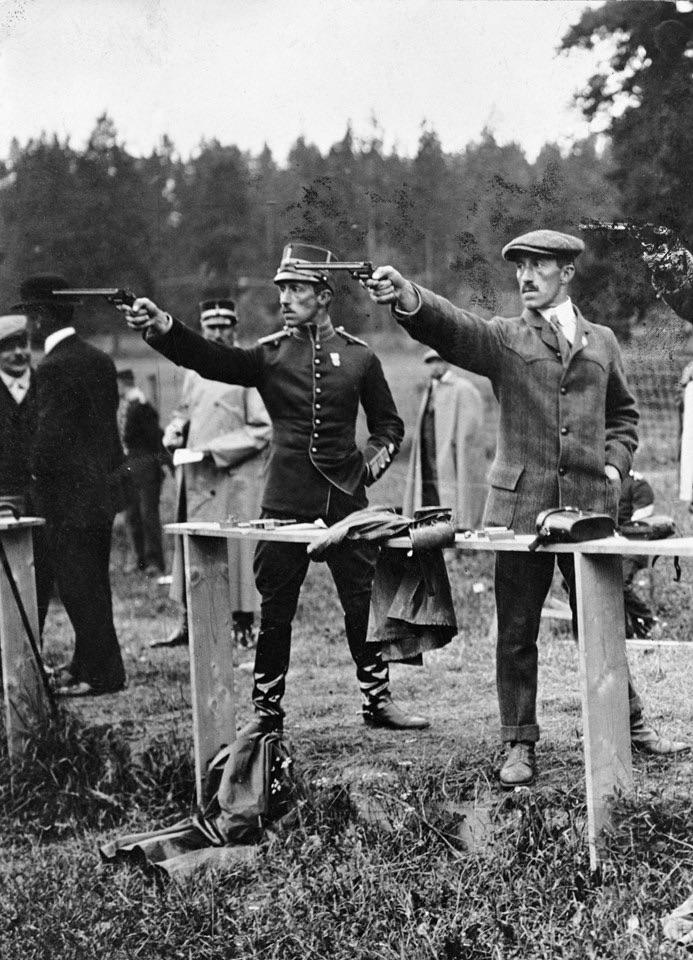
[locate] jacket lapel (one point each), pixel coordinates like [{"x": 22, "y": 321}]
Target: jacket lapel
[{"x": 581, "y": 333}]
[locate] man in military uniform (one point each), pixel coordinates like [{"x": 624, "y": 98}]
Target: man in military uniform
[
  {"x": 567, "y": 434},
  {"x": 312, "y": 378}
]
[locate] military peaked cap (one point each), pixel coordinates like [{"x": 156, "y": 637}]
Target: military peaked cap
[
  {"x": 220, "y": 312},
  {"x": 547, "y": 243},
  {"x": 304, "y": 255}
]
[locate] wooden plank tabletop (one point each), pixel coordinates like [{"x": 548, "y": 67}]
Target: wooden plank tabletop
[{"x": 307, "y": 533}]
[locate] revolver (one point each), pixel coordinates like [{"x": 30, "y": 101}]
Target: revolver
[
  {"x": 114, "y": 295},
  {"x": 358, "y": 269}
]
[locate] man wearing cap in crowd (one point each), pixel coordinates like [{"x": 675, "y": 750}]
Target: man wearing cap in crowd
[
  {"x": 227, "y": 428},
  {"x": 76, "y": 466},
  {"x": 566, "y": 437},
  {"x": 138, "y": 423},
  {"x": 17, "y": 428},
  {"x": 312, "y": 378},
  {"x": 446, "y": 463}
]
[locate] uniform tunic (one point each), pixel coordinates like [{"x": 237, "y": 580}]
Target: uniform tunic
[{"x": 312, "y": 385}]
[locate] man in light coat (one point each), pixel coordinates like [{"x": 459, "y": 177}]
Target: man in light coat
[
  {"x": 446, "y": 463},
  {"x": 566, "y": 437},
  {"x": 223, "y": 431}
]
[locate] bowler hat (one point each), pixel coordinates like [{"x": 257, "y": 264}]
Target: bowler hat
[
  {"x": 39, "y": 291},
  {"x": 220, "y": 312},
  {"x": 12, "y": 324},
  {"x": 546, "y": 243},
  {"x": 301, "y": 261}
]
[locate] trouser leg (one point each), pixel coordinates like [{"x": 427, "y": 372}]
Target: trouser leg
[
  {"x": 149, "y": 494},
  {"x": 352, "y": 569},
  {"x": 566, "y": 565},
  {"x": 280, "y": 569},
  {"x": 522, "y": 582},
  {"x": 80, "y": 558}
]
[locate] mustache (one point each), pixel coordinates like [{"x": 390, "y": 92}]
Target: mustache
[{"x": 528, "y": 288}]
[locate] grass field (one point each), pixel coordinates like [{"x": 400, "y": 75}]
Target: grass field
[{"x": 404, "y": 847}]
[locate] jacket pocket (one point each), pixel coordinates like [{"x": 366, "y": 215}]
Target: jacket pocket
[{"x": 505, "y": 477}]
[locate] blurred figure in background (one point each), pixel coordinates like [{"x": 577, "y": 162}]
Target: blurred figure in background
[
  {"x": 635, "y": 503},
  {"x": 224, "y": 431},
  {"x": 446, "y": 464},
  {"x": 141, "y": 434}
]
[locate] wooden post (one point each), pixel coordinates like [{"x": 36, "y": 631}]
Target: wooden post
[
  {"x": 210, "y": 624},
  {"x": 26, "y": 704},
  {"x": 604, "y": 683}
]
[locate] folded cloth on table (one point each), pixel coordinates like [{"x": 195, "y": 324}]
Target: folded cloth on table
[{"x": 411, "y": 602}]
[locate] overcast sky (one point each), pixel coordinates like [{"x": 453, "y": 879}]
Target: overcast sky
[{"x": 255, "y": 71}]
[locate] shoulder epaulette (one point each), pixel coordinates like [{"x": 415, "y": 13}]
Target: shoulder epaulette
[
  {"x": 275, "y": 338},
  {"x": 349, "y": 337}
]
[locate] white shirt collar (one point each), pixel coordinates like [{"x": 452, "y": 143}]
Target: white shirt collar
[
  {"x": 17, "y": 386},
  {"x": 53, "y": 339},
  {"x": 564, "y": 314}
]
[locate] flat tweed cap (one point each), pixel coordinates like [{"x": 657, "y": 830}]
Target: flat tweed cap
[
  {"x": 548, "y": 243},
  {"x": 12, "y": 324}
]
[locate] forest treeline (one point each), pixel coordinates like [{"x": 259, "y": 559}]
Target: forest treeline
[{"x": 176, "y": 228}]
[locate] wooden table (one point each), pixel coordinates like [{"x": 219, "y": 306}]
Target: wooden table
[
  {"x": 601, "y": 645},
  {"x": 26, "y": 704}
]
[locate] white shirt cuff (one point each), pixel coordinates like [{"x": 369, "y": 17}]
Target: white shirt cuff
[{"x": 409, "y": 313}]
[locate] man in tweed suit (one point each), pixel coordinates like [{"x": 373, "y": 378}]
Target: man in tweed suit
[{"x": 566, "y": 436}]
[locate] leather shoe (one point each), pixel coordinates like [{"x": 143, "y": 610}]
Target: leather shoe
[
  {"x": 179, "y": 638},
  {"x": 80, "y": 688},
  {"x": 645, "y": 738},
  {"x": 389, "y": 715},
  {"x": 520, "y": 766}
]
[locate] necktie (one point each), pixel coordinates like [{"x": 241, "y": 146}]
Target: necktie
[{"x": 563, "y": 344}]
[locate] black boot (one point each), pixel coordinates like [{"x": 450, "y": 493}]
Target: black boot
[{"x": 271, "y": 667}]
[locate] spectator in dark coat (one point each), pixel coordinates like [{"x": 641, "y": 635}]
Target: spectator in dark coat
[
  {"x": 17, "y": 428},
  {"x": 76, "y": 471},
  {"x": 141, "y": 435}
]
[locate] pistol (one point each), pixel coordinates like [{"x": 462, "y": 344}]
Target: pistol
[
  {"x": 650, "y": 235},
  {"x": 358, "y": 269},
  {"x": 114, "y": 295}
]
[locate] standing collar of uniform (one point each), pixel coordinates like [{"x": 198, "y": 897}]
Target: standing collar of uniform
[
  {"x": 323, "y": 330},
  {"x": 53, "y": 339}
]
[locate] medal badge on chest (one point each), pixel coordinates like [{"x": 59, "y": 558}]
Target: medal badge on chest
[{"x": 336, "y": 362}]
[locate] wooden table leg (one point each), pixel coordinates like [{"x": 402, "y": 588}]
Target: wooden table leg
[
  {"x": 210, "y": 624},
  {"x": 26, "y": 705},
  {"x": 604, "y": 683}
]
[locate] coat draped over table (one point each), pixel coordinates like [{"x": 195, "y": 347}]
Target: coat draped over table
[
  {"x": 232, "y": 424},
  {"x": 460, "y": 460}
]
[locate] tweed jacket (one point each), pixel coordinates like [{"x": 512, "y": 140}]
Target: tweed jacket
[
  {"x": 77, "y": 450},
  {"x": 311, "y": 384},
  {"x": 460, "y": 461},
  {"x": 561, "y": 420}
]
